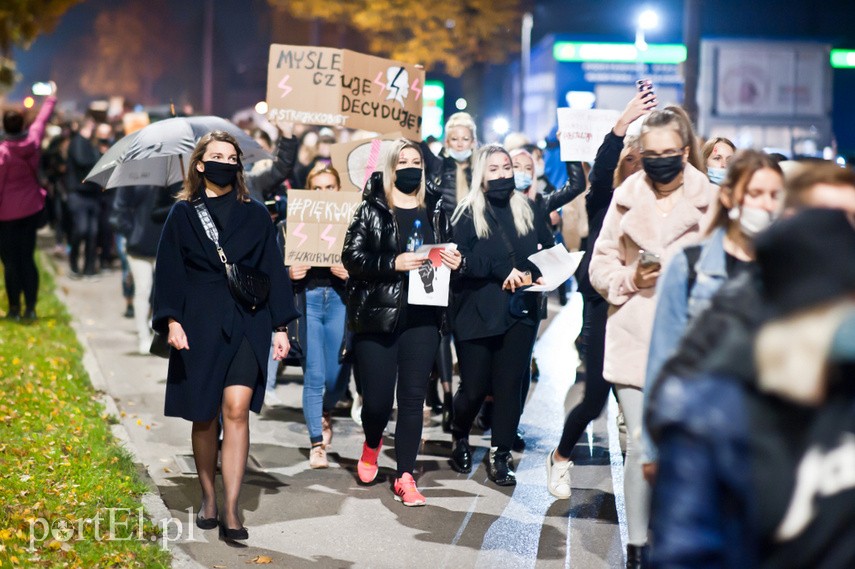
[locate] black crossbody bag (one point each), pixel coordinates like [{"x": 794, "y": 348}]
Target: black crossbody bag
[
  {"x": 521, "y": 302},
  {"x": 248, "y": 285}
]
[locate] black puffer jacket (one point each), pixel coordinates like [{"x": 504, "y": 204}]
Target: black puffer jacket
[
  {"x": 441, "y": 177},
  {"x": 375, "y": 290}
]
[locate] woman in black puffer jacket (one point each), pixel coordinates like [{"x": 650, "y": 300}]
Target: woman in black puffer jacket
[{"x": 393, "y": 340}]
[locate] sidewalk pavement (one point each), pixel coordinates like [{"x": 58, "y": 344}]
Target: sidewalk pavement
[{"x": 299, "y": 517}]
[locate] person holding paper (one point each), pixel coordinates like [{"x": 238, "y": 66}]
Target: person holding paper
[
  {"x": 394, "y": 342},
  {"x": 654, "y": 214},
  {"x": 496, "y": 228},
  {"x": 321, "y": 291}
]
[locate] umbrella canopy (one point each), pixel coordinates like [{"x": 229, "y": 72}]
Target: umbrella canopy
[{"x": 152, "y": 156}]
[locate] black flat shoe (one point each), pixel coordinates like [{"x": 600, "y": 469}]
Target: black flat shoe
[
  {"x": 461, "y": 457},
  {"x": 203, "y": 522},
  {"x": 240, "y": 534},
  {"x": 501, "y": 468}
]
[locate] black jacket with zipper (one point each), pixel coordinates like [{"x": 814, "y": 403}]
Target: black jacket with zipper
[{"x": 375, "y": 290}]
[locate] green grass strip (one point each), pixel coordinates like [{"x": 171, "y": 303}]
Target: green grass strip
[{"x": 65, "y": 482}]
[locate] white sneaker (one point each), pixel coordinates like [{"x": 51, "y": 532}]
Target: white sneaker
[
  {"x": 558, "y": 477},
  {"x": 272, "y": 400},
  {"x": 356, "y": 410}
]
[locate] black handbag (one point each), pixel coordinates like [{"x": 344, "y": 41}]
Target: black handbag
[
  {"x": 522, "y": 303},
  {"x": 248, "y": 285},
  {"x": 160, "y": 346}
]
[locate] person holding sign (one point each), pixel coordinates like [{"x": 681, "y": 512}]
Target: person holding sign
[
  {"x": 654, "y": 214},
  {"x": 324, "y": 378},
  {"x": 214, "y": 234},
  {"x": 496, "y": 228},
  {"x": 395, "y": 342}
]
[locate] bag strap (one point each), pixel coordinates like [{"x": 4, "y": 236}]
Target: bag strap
[
  {"x": 209, "y": 226},
  {"x": 692, "y": 253}
]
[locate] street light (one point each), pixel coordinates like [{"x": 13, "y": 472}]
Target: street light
[
  {"x": 501, "y": 126},
  {"x": 647, "y": 20}
]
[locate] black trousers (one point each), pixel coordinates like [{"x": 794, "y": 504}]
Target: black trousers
[
  {"x": 17, "y": 247},
  {"x": 596, "y": 388},
  {"x": 382, "y": 360},
  {"x": 85, "y": 212},
  {"x": 494, "y": 365}
]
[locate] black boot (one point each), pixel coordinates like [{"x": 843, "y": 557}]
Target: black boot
[
  {"x": 636, "y": 556},
  {"x": 501, "y": 470},
  {"x": 519, "y": 441},
  {"x": 461, "y": 456},
  {"x": 14, "y": 313}
]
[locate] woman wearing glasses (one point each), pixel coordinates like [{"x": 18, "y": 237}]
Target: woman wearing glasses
[{"x": 653, "y": 215}]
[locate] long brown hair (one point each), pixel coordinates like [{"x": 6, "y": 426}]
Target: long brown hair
[
  {"x": 742, "y": 167},
  {"x": 194, "y": 182},
  {"x": 677, "y": 118}
]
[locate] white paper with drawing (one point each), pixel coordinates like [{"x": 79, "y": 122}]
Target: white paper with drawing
[
  {"x": 556, "y": 265},
  {"x": 581, "y": 132},
  {"x": 429, "y": 284}
]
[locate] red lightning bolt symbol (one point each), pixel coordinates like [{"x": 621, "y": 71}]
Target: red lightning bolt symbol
[
  {"x": 415, "y": 87},
  {"x": 298, "y": 233},
  {"x": 284, "y": 86},
  {"x": 378, "y": 82},
  {"x": 330, "y": 239}
]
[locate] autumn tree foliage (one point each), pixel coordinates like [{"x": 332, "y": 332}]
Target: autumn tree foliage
[
  {"x": 130, "y": 49},
  {"x": 21, "y": 22},
  {"x": 447, "y": 35}
]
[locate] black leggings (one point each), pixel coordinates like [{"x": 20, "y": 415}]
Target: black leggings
[
  {"x": 381, "y": 359},
  {"x": 17, "y": 247},
  {"x": 596, "y": 388},
  {"x": 496, "y": 365},
  {"x": 85, "y": 211}
]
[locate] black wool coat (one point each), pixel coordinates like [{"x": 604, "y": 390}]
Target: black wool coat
[{"x": 190, "y": 286}]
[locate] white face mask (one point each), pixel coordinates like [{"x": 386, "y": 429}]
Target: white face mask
[
  {"x": 752, "y": 220},
  {"x": 460, "y": 155}
]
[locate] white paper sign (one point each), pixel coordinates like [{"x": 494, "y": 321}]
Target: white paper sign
[
  {"x": 581, "y": 132},
  {"x": 556, "y": 265},
  {"x": 429, "y": 283}
]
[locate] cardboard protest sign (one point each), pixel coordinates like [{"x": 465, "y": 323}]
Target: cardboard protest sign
[
  {"x": 581, "y": 132},
  {"x": 356, "y": 160},
  {"x": 429, "y": 283},
  {"x": 316, "y": 226},
  {"x": 339, "y": 87}
]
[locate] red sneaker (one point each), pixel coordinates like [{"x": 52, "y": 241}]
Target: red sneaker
[
  {"x": 367, "y": 467},
  {"x": 406, "y": 491}
]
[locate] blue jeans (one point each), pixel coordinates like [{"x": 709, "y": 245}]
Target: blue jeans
[{"x": 324, "y": 378}]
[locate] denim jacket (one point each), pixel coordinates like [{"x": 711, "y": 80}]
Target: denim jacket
[
  {"x": 701, "y": 503},
  {"x": 677, "y": 306}
]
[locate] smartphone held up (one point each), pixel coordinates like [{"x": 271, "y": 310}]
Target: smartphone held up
[
  {"x": 646, "y": 86},
  {"x": 44, "y": 88}
]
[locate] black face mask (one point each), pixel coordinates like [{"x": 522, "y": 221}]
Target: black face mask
[
  {"x": 408, "y": 180},
  {"x": 664, "y": 169},
  {"x": 500, "y": 190},
  {"x": 105, "y": 141},
  {"x": 220, "y": 173}
]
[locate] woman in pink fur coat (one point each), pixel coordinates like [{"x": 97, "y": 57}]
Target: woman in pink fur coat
[{"x": 653, "y": 215}]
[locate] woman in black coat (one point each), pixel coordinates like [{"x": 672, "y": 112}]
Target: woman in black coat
[
  {"x": 220, "y": 347},
  {"x": 395, "y": 342},
  {"x": 496, "y": 229}
]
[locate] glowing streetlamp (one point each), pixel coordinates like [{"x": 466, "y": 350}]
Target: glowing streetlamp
[{"x": 647, "y": 20}]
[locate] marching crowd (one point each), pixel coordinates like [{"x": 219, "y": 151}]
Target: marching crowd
[{"x": 719, "y": 307}]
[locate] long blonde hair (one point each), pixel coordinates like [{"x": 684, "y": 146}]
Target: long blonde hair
[
  {"x": 476, "y": 203},
  {"x": 390, "y": 164},
  {"x": 195, "y": 182}
]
